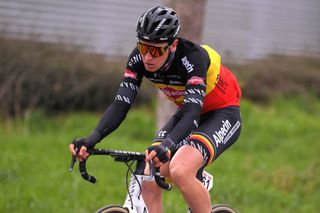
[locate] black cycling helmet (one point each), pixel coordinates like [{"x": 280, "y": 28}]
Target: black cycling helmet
[{"x": 158, "y": 24}]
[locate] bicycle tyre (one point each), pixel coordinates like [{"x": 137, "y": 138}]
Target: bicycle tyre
[
  {"x": 222, "y": 208},
  {"x": 112, "y": 209}
]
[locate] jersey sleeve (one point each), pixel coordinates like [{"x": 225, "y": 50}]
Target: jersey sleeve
[
  {"x": 168, "y": 127},
  {"x": 195, "y": 66},
  {"x": 127, "y": 92}
]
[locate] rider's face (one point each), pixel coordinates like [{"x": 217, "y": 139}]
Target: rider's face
[{"x": 154, "y": 63}]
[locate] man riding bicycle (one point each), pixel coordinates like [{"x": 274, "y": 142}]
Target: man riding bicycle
[{"x": 207, "y": 94}]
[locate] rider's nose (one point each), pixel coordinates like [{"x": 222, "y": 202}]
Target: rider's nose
[{"x": 148, "y": 56}]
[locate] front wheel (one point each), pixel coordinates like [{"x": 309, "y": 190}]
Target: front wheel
[
  {"x": 222, "y": 208},
  {"x": 112, "y": 209}
]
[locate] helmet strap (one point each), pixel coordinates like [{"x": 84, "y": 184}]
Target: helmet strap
[{"x": 168, "y": 62}]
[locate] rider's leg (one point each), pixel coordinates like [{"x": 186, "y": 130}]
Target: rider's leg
[
  {"x": 152, "y": 196},
  {"x": 183, "y": 168},
  {"x": 152, "y": 193}
]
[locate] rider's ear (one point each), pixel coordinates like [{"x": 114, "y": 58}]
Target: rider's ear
[{"x": 174, "y": 45}]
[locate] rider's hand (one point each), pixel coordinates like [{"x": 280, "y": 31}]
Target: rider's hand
[
  {"x": 160, "y": 152},
  {"x": 78, "y": 148}
]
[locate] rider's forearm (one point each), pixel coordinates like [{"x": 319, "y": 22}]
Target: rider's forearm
[
  {"x": 191, "y": 111},
  {"x": 117, "y": 111},
  {"x": 188, "y": 123},
  {"x": 168, "y": 127},
  {"x": 110, "y": 120}
]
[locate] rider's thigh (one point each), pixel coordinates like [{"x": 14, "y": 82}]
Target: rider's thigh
[{"x": 186, "y": 162}]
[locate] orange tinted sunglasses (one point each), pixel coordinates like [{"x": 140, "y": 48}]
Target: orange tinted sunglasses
[{"x": 154, "y": 51}]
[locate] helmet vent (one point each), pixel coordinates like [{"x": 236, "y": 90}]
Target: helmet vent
[
  {"x": 146, "y": 23},
  {"x": 163, "y": 12},
  {"x": 167, "y": 22},
  {"x": 154, "y": 26},
  {"x": 161, "y": 31}
]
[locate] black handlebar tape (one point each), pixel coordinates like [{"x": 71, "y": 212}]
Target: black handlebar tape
[
  {"x": 73, "y": 161},
  {"x": 84, "y": 173},
  {"x": 160, "y": 181}
]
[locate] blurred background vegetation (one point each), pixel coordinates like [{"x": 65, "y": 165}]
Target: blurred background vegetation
[
  {"x": 45, "y": 76},
  {"x": 49, "y": 77}
]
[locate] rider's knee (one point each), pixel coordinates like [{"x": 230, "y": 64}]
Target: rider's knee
[{"x": 178, "y": 174}]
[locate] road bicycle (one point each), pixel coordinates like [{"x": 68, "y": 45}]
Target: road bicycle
[{"x": 134, "y": 202}]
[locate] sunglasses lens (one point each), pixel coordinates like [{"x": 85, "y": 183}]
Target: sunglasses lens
[
  {"x": 154, "y": 51},
  {"x": 142, "y": 48}
]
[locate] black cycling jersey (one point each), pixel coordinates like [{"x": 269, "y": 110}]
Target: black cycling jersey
[
  {"x": 173, "y": 82},
  {"x": 190, "y": 80}
]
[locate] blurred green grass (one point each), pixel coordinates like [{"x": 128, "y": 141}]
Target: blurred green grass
[{"x": 274, "y": 167}]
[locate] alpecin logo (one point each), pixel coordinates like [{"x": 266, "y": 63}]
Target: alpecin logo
[
  {"x": 187, "y": 64},
  {"x": 219, "y": 135}
]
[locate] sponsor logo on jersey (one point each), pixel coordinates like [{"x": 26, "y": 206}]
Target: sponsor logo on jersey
[
  {"x": 222, "y": 84},
  {"x": 162, "y": 134},
  {"x": 173, "y": 93},
  {"x": 196, "y": 123},
  {"x": 219, "y": 135},
  {"x": 134, "y": 59},
  {"x": 187, "y": 65},
  {"x": 129, "y": 85},
  {"x": 123, "y": 99},
  {"x": 195, "y": 80},
  {"x": 129, "y": 74}
]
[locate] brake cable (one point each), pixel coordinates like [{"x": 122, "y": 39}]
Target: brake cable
[{"x": 127, "y": 182}]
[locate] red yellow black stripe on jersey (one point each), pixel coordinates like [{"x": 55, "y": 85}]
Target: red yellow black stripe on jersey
[
  {"x": 206, "y": 142},
  {"x": 214, "y": 68},
  {"x": 176, "y": 93},
  {"x": 222, "y": 88}
]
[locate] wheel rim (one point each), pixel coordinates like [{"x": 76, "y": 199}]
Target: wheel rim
[
  {"x": 222, "y": 208},
  {"x": 112, "y": 209}
]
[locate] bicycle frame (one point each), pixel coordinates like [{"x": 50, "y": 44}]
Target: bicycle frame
[
  {"x": 134, "y": 192},
  {"x": 134, "y": 201}
]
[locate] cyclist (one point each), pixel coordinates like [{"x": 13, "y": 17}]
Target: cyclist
[{"x": 207, "y": 120}]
